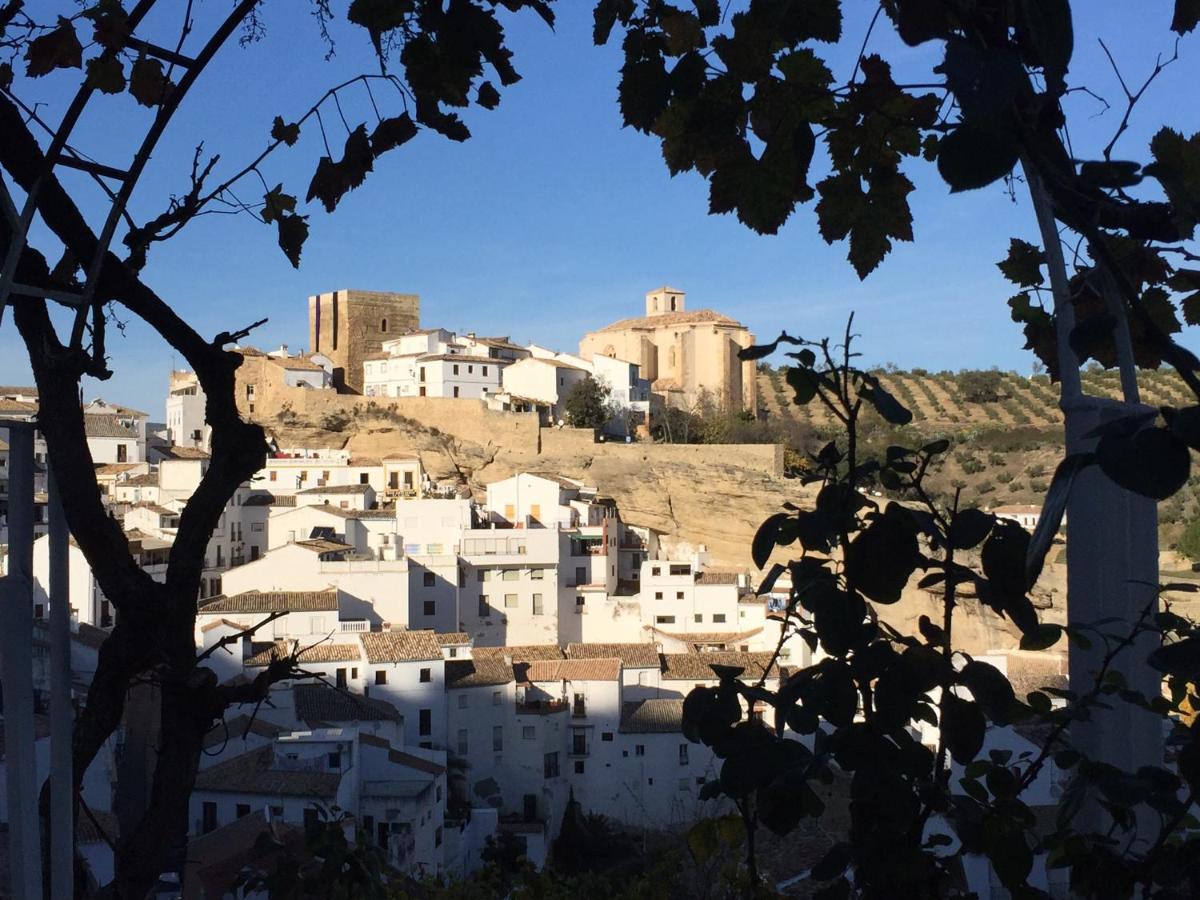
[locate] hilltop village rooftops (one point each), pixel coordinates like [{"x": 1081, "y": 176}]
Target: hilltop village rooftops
[
  {"x": 669, "y": 319},
  {"x": 401, "y": 646},
  {"x": 319, "y": 653},
  {"x": 652, "y": 716},
  {"x": 273, "y": 601},
  {"x": 520, "y": 653},
  {"x": 698, "y": 666},
  {"x": 322, "y": 703},
  {"x": 573, "y": 670},
  {"x": 632, "y": 656},
  {"x": 468, "y": 673},
  {"x": 255, "y": 773}
]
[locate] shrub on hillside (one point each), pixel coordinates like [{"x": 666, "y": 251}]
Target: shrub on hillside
[{"x": 981, "y": 387}]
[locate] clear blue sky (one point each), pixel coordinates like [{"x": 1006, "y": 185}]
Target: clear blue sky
[{"x": 553, "y": 220}]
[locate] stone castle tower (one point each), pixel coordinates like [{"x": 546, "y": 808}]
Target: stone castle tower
[{"x": 346, "y": 326}]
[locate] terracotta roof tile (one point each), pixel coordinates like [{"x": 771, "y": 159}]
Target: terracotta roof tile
[
  {"x": 321, "y": 703},
  {"x": 320, "y": 653},
  {"x": 217, "y": 623},
  {"x": 453, "y": 638},
  {"x": 574, "y": 670},
  {"x": 401, "y": 646},
  {"x": 338, "y": 489},
  {"x": 671, "y": 319},
  {"x": 466, "y": 673},
  {"x": 520, "y": 652},
  {"x": 254, "y": 773},
  {"x": 106, "y": 426},
  {"x": 652, "y": 716},
  {"x": 632, "y": 656},
  {"x": 400, "y": 757},
  {"x": 698, "y": 666},
  {"x": 234, "y": 728},
  {"x": 272, "y": 601}
]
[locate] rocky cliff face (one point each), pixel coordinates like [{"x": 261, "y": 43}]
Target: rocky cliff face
[{"x": 691, "y": 504}]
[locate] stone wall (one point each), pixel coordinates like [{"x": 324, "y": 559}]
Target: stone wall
[
  {"x": 464, "y": 419},
  {"x": 766, "y": 459}
]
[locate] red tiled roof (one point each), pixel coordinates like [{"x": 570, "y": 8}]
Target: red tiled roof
[{"x": 574, "y": 670}]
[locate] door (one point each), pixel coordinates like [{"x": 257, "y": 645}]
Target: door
[{"x": 531, "y": 807}]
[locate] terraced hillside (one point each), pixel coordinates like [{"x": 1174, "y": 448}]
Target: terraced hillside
[
  {"x": 1004, "y": 450},
  {"x": 939, "y": 402}
]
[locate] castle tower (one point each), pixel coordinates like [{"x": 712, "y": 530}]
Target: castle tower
[
  {"x": 346, "y": 326},
  {"x": 664, "y": 300}
]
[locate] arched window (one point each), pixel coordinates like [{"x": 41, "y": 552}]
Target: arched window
[
  {"x": 672, "y": 304},
  {"x": 383, "y": 326}
]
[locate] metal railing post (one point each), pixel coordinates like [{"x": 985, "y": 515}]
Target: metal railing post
[
  {"x": 16, "y": 632},
  {"x": 62, "y": 807}
]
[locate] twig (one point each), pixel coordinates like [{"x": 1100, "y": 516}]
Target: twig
[{"x": 1132, "y": 98}]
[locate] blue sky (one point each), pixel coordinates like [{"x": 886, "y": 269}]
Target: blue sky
[{"x": 553, "y": 220}]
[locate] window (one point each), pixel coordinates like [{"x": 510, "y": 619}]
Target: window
[
  {"x": 484, "y": 610},
  {"x": 683, "y": 754},
  {"x": 454, "y": 368},
  {"x": 39, "y": 611},
  {"x": 537, "y": 604},
  {"x": 276, "y": 811},
  {"x": 497, "y": 738},
  {"x": 310, "y": 817},
  {"x": 512, "y": 574},
  {"x": 429, "y": 606},
  {"x": 664, "y": 620},
  {"x": 699, "y": 617},
  {"x": 462, "y": 701},
  {"x": 364, "y": 478},
  {"x": 656, "y": 570},
  {"x": 550, "y": 765},
  {"x": 579, "y": 742},
  {"x": 254, "y": 552},
  {"x": 208, "y": 815},
  {"x": 437, "y": 836},
  {"x": 421, "y": 377},
  {"x": 484, "y": 574},
  {"x": 639, "y": 750},
  {"x": 453, "y": 652},
  {"x": 606, "y": 737},
  {"x": 484, "y": 371},
  {"x": 272, "y": 475},
  {"x": 683, "y": 784},
  {"x": 462, "y": 742},
  {"x": 335, "y": 759},
  {"x": 341, "y": 678},
  {"x": 537, "y": 574},
  {"x": 456, "y": 387},
  {"x": 528, "y": 732},
  {"x": 383, "y": 326},
  {"x": 679, "y": 595},
  {"x": 462, "y": 578},
  {"x": 426, "y": 676},
  {"x": 581, "y": 575},
  {"x": 243, "y": 809},
  {"x": 381, "y": 676},
  {"x": 497, "y": 698},
  {"x": 354, "y": 673},
  {"x": 425, "y": 722},
  {"x": 719, "y": 618},
  {"x": 510, "y": 601},
  {"x": 470, "y": 370},
  {"x": 700, "y": 780},
  {"x": 579, "y": 767},
  {"x": 428, "y": 579},
  {"x": 683, "y": 569},
  {"x": 658, "y": 595}
]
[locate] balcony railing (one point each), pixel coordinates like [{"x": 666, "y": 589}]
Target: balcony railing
[
  {"x": 541, "y": 707},
  {"x": 354, "y": 625}
]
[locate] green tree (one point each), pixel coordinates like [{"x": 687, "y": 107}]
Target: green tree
[
  {"x": 1189, "y": 541},
  {"x": 981, "y": 386},
  {"x": 588, "y": 404}
]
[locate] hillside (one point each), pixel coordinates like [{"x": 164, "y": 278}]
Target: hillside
[{"x": 1004, "y": 450}]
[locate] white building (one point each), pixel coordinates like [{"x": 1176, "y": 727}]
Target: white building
[
  {"x": 436, "y": 363},
  {"x": 185, "y": 412},
  {"x": 540, "y": 385}
]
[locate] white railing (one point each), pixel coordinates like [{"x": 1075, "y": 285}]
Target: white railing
[{"x": 354, "y": 625}]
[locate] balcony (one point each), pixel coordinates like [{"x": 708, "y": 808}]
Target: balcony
[
  {"x": 354, "y": 625},
  {"x": 541, "y": 707},
  {"x": 578, "y": 709}
]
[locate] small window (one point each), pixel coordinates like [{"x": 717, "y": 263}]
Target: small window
[
  {"x": 537, "y": 604},
  {"x": 483, "y": 574},
  {"x": 719, "y": 618},
  {"x": 272, "y": 475},
  {"x": 462, "y": 701},
  {"x": 425, "y": 722},
  {"x": 510, "y": 601},
  {"x": 528, "y": 732},
  {"x": 497, "y": 738},
  {"x": 497, "y": 698},
  {"x": 537, "y": 574},
  {"x": 470, "y": 370},
  {"x": 484, "y": 609},
  {"x": 484, "y": 371},
  {"x": 456, "y": 390},
  {"x": 454, "y": 368},
  {"x": 335, "y": 759},
  {"x": 208, "y": 816},
  {"x": 606, "y": 737},
  {"x": 699, "y": 617},
  {"x": 639, "y": 750},
  {"x": 243, "y": 810},
  {"x": 550, "y": 765},
  {"x": 426, "y": 676},
  {"x": 655, "y": 570},
  {"x": 683, "y": 784},
  {"x": 579, "y": 767},
  {"x": 428, "y": 579},
  {"x": 664, "y": 620},
  {"x": 429, "y": 607},
  {"x": 683, "y": 754},
  {"x": 679, "y": 595},
  {"x": 512, "y": 574},
  {"x": 658, "y": 595},
  {"x": 380, "y": 676}
]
